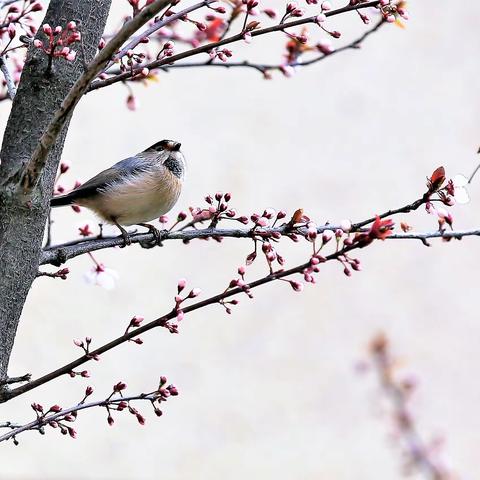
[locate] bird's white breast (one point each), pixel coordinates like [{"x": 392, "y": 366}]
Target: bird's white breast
[{"x": 137, "y": 199}]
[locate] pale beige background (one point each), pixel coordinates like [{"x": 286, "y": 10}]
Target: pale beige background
[{"x": 270, "y": 392}]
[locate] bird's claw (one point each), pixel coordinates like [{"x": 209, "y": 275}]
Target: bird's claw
[{"x": 157, "y": 236}]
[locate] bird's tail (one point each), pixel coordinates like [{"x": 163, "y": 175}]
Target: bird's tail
[{"x": 61, "y": 200}]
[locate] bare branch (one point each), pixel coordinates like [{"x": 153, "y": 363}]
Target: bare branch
[
  {"x": 10, "y": 380},
  {"x": 12, "y": 90},
  {"x": 37, "y": 162}
]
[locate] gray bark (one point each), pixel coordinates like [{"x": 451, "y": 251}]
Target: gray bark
[{"x": 39, "y": 95}]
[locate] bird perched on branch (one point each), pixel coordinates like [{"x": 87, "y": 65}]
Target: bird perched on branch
[{"x": 135, "y": 190}]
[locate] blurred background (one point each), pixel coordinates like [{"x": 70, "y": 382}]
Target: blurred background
[{"x": 272, "y": 391}]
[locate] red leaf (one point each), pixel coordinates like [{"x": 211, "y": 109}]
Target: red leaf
[{"x": 437, "y": 179}]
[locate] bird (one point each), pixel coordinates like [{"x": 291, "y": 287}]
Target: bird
[{"x": 135, "y": 190}]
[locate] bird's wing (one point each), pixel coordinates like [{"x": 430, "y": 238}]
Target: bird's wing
[{"x": 127, "y": 167}]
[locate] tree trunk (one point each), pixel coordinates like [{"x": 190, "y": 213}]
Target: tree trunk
[{"x": 38, "y": 97}]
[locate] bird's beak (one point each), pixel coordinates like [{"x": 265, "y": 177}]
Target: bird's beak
[{"x": 176, "y": 146}]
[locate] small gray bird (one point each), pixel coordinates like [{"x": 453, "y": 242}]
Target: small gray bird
[{"x": 135, "y": 190}]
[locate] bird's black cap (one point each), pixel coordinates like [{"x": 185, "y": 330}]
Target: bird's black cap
[{"x": 165, "y": 145}]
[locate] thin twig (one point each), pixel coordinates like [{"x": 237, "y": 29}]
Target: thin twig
[
  {"x": 11, "y": 89},
  {"x": 43, "y": 420},
  {"x": 417, "y": 450},
  {"x": 263, "y": 67},
  {"x": 10, "y": 380},
  {"x": 161, "y": 322},
  {"x": 211, "y": 46},
  {"x": 59, "y": 254},
  {"x": 157, "y": 26}
]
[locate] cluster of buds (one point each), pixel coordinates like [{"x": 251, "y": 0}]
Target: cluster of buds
[
  {"x": 236, "y": 283},
  {"x": 52, "y": 418},
  {"x": 251, "y": 6},
  {"x": 135, "y": 322},
  {"x": 59, "y": 41},
  {"x": 216, "y": 211},
  {"x": 223, "y": 55},
  {"x": 177, "y": 309},
  {"x": 132, "y": 60},
  {"x": 293, "y": 10},
  {"x": 85, "y": 346},
  {"x": 59, "y": 189},
  {"x": 166, "y": 50},
  {"x": 161, "y": 394},
  {"x": 20, "y": 16},
  {"x": 80, "y": 373},
  {"x": 438, "y": 185},
  {"x": 390, "y": 10}
]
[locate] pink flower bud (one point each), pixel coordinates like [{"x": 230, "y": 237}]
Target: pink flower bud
[
  {"x": 181, "y": 284},
  {"x": 346, "y": 225},
  {"x": 71, "y": 56},
  {"x": 297, "y": 286},
  {"x": 136, "y": 321},
  {"x": 118, "y": 387},
  {"x": 194, "y": 293},
  {"x": 64, "y": 166},
  {"x": 36, "y": 7},
  {"x": 327, "y": 236},
  {"x": 270, "y": 12},
  {"x": 173, "y": 390},
  {"x": 326, "y": 6},
  {"x": 47, "y": 29},
  {"x": 287, "y": 70},
  {"x": 11, "y": 31},
  {"x": 37, "y": 43},
  {"x": 262, "y": 222}
]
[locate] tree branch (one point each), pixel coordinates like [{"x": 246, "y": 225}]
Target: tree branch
[
  {"x": 59, "y": 254},
  {"x": 211, "y": 46},
  {"x": 163, "y": 322},
  {"x": 66, "y": 414},
  {"x": 263, "y": 67},
  {"x": 36, "y": 164},
  {"x": 157, "y": 26},
  {"x": 11, "y": 89},
  {"x": 418, "y": 453}
]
